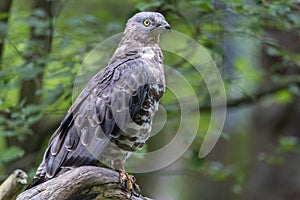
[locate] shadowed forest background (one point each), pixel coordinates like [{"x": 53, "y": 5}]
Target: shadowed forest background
[{"x": 255, "y": 45}]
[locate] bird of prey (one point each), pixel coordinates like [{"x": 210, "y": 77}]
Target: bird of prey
[{"x": 112, "y": 116}]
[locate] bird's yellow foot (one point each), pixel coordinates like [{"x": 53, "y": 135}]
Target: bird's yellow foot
[{"x": 129, "y": 182}]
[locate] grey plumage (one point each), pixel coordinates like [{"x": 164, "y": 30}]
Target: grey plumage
[{"x": 112, "y": 116}]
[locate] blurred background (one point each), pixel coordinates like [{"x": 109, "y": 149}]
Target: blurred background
[{"x": 255, "y": 44}]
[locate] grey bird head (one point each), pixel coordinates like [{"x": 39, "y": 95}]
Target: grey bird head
[{"x": 146, "y": 27}]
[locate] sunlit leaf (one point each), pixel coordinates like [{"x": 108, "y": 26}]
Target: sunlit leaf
[{"x": 284, "y": 97}]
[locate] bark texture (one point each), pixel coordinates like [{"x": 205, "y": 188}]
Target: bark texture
[
  {"x": 84, "y": 183},
  {"x": 13, "y": 185}
]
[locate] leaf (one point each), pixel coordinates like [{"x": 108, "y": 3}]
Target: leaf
[
  {"x": 34, "y": 118},
  {"x": 30, "y": 109},
  {"x": 3, "y": 30},
  {"x": 271, "y": 51},
  {"x": 61, "y": 73},
  {"x": 3, "y": 15},
  {"x": 29, "y": 70},
  {"x": 8, "y": 133},
  {"x": 142, "y": 6},
  {"x": 11, "y": 153},
  {"x": 289, "y": 143},
  {"x": 295, "y": 18},
  {"x": 205, "y": 6},
  {"x": 40, "y": 13},
  {"x": 54, "y": 94},
  {"x": 284, "y": 97}
]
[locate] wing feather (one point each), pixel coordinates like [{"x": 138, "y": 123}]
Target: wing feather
[{"x": 111, "y": 98}]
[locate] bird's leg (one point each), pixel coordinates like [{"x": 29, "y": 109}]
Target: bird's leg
[{"x": 129, "y": 182}]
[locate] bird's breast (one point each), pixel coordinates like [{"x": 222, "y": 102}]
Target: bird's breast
[
  {"x": 138, "y": 130},
  {"x": 151, "y": 53},
  {"x": 147, "y": 53}
]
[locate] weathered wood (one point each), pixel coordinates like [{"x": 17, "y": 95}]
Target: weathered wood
[
  {"x": 12, "y": 186},
  {"x": 84, "y": 183}
]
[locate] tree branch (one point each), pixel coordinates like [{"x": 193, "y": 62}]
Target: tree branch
[
  {"x": 249, "y": 99},
  {"x": 13, "y": 185},
  {"x": 86, "y": 183}
]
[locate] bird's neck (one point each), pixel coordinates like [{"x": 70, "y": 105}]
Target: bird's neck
[
  {"x": 130, "y": 47},
  {"x": 140, "y": 38},
  {"x": 133, "y": 42}
]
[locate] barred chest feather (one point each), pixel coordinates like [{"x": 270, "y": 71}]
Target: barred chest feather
[{"x": 137, "y": 131}]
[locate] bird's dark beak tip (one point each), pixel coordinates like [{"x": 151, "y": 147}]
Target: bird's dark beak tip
[{"x": 167, "y": 27}]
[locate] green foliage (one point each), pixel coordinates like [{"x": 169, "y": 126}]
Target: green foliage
[
  {"x": 10, "y": 154},
  {"x": 78, "y": 29},
  {"x": 284, "y": 97},
  {"x": 276, "y": 155},
  {"x": 144, "y": 6}
]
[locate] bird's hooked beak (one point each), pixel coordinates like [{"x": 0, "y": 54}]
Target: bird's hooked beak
[{"x": 164, "y": 25}]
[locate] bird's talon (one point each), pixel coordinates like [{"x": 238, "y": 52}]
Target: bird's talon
[
  {"x": 123, "y": 178},
  {"x": 129, "y": 182}
]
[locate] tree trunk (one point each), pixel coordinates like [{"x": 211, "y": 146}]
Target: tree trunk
[
  {"x": 276, "y": 181},
  {"x": 5, "y": 6},
  {"x": 38, "y": 50}
]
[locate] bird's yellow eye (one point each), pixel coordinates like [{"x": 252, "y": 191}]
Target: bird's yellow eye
[{"x": 147, "y": 22}]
